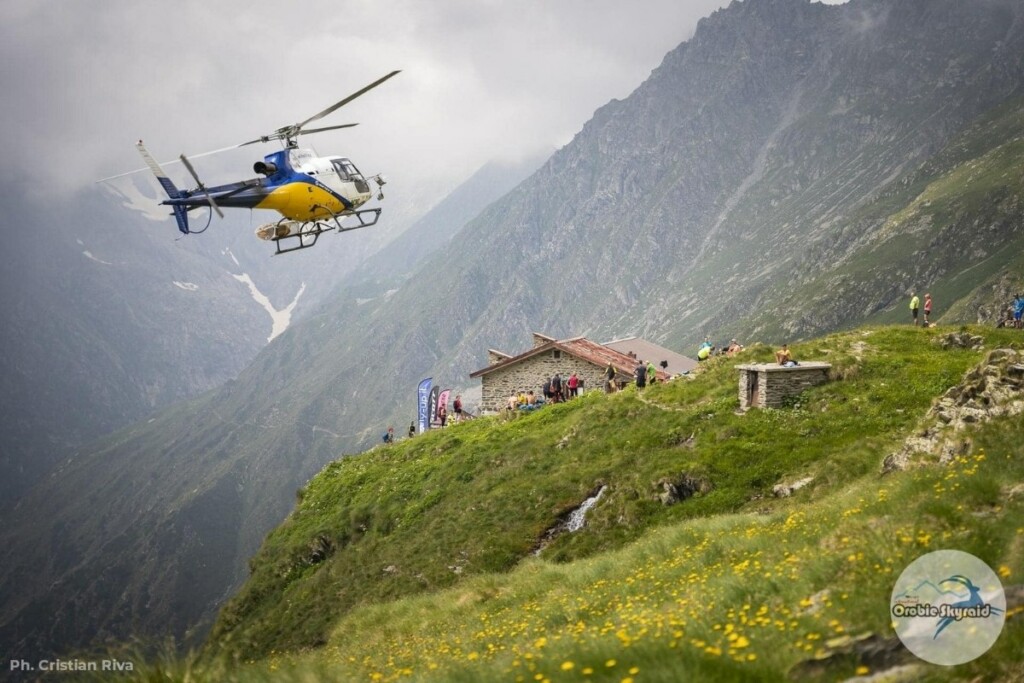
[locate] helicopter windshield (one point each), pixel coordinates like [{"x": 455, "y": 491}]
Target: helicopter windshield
[{"x": 346, "y": 169}]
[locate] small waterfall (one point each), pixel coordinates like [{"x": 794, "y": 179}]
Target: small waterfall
[
  {"x": 578, "y": 516},
  {"x": 571, "y": 522}
]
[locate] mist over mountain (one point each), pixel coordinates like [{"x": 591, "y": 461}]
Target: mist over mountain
[
  {"x": 793, "y": 168},
  {"x": 110, "y": 314},
  {"x": 180, "y": 496}
]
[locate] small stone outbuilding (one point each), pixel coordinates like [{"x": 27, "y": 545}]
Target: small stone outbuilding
[
  {"x": 768, "y": 385},
  {"x": 528, "y": 371}
]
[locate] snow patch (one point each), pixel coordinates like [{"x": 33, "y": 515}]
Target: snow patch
[
  {"x": 227, "y": 251},
  {"x": 280, "y": 319},
  {"x": 88, "y": 254},
  {"x": 132, "y": 198},
  {"x": 187, "y": 286}
]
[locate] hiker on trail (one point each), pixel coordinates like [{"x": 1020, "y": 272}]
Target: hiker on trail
[
  {"x": 556, "y": 388},
  {"x": 641, "y": 375},
  {"x": 609, "y": 379},
  {"x": 784, "y": 356},
  {"x": 915, "y": 304},
  {"x": 457, "y": 407},
  {"x": 927, "y": 308},
  {"x": 574, "y": 385},
  {"x": 652, "y": 374},
  {"x": 1006, "y": 318}
]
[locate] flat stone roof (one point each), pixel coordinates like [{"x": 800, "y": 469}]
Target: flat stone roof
[{"x": 775, "y": 367}]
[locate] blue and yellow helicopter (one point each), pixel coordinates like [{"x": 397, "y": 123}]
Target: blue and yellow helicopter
[{"x": 313, "y": 194}]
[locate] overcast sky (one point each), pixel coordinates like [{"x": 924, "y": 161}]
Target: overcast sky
[{"x": 481, "y": 79}]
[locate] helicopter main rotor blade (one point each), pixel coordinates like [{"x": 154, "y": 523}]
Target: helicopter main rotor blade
[
  {"x": 172, "y": 161},
  {"x": 202, "y": 188},
  {"x": 285, "y": 134},
  {"x": 321, "y": 130},
  {"x": 342, "y": 103}
]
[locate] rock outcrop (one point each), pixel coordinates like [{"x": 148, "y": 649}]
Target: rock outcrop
[{"x": 995, "y": 388}]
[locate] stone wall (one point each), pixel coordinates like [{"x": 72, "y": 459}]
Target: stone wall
[
  {"x": 530, "y": 375},
  {"x": 775, "y": 383}
]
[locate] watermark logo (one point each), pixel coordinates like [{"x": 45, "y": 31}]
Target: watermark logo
[{"x": 948, "y": 607}]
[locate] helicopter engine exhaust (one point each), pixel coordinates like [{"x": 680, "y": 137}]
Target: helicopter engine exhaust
[{"x": 267, "y": 168}]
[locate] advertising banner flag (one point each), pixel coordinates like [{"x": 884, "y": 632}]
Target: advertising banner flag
[
  {"x": 432, "y": 406},
  {"x": 442, "y": 400},
  {"x": 422, "y": 399}
]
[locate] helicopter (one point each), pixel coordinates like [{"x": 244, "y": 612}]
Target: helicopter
[{"x": 313, "y": 194}]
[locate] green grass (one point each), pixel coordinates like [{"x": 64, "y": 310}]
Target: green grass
[{"x": 420, "y": 554}]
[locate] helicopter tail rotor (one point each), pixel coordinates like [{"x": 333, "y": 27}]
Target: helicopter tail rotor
[
  {"x": 200, "y": 187},
  {"x": 180, "y": 214}
]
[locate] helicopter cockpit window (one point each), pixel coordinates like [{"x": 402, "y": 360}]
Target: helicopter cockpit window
[
  {"x": 351, "y": 169},
  {"x": 341, "y": 168}
]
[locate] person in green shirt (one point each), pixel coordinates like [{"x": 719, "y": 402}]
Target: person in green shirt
[
  {"x": 652, "y": 374},
  {"x": 915, "y": 304}
]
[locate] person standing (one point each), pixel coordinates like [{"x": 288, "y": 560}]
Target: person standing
[
  {"x": 927, "y": 308},
  {"x": 556, "y": 388},
  {"x": 412, "y": 429},
  {"x": 652, "y": 374},
  {"x": 641, "y": 375},
  {"x": 609, "y": 379},
  {"x": 915, "y": 304},
  {"x": 457, "y": 407},
  {"x": 574, "y": 385},
  {"x": 442, "y": 415}
]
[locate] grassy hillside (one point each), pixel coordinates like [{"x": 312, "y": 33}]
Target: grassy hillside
[{"x": 416, "y": 560}]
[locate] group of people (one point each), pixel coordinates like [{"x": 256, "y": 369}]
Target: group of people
[
  {"x": 525, "y": 401},
  {"x": 707, "y": 349},
  {"x": 915, "y": 307},
  {"x": 555, "y": 389},
  {"x": 1011, "y": 316},
  {"x": 645, "y": 374},
  {"x": 442, "y": 417}
]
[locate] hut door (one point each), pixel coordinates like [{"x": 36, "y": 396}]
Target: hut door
[{"x": 753, "y": 392}]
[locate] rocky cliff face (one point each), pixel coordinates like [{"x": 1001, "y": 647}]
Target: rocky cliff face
[{"x": 770, "y": 179}]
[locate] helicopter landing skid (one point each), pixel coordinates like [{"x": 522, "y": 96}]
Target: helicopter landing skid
[{"x": 296, "y": 235}]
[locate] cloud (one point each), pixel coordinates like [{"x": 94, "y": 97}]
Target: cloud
[{"x": 481, "y": 79}]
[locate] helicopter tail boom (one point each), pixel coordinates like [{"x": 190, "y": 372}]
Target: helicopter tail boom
[{"x": 180, "y": 212}]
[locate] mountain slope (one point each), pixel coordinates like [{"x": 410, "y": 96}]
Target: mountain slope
[
  {"x": 146, "y": 531},
  {"x": 464, "y": 506},
  {"x": 670, "y": 213}
]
